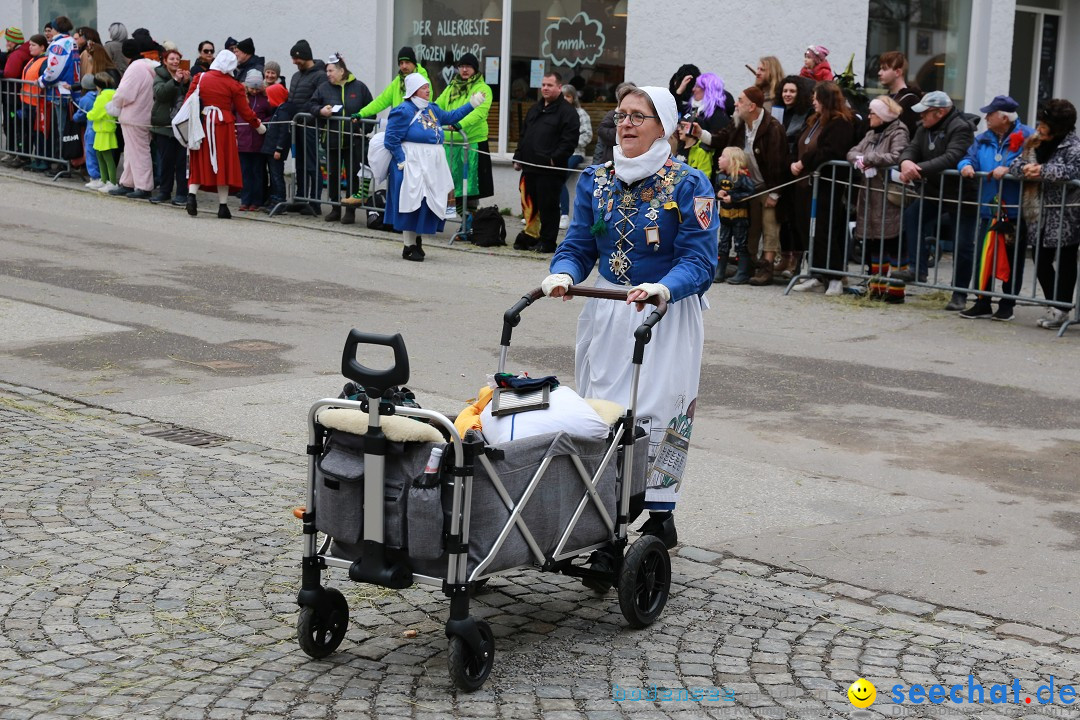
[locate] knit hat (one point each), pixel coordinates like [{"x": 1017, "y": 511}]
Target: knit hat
[
  {"x": 406, "y": 53},
  {"x": 880, "y": 108},
  {"x": 253, "y": 79},
  {"x": 754, "y": 95},
  {"x": 272, "y": 66},
  {"x": 277, "y": 94},
  {"x": 168, "y": 46},
  {"x": 14, "y": 35},
  {"x": 246, "y": 45},
  {"x": 819, "y": 51},
  {"x": 87, "y": 82},
  {"x": 230, "y": 43},
  {"x": 470, "y": 60},
  {"x": 301, "y": 51},
  {"x": 130, "y": 49}
]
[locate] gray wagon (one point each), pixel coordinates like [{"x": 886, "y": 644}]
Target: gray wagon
[{"x": 557, "y": 502}]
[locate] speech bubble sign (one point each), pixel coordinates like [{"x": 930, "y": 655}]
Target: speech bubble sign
[{"x": 574, "y": 41}]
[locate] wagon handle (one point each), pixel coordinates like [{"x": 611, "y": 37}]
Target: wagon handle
[
  {"x": 375, "y": 382},
  {"x": 512, "y": 317}
]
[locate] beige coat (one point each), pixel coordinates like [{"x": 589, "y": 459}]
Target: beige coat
[{"x": 877, "y": 218}]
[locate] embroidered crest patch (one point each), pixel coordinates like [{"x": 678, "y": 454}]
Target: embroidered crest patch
[{"x": 703, "y": 211}]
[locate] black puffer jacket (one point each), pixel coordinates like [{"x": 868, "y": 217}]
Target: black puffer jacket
[
  {"x": 304, "y": 83},
  {"x": 940, "y": 148}
]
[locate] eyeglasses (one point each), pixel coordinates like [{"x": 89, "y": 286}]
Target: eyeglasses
[
  {"x": 207, "y": 51},
  {"x": 636, "y": 118}
]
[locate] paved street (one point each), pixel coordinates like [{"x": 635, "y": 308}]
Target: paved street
[
  {"x": 143, "y": 578},
  {"x": 879, "y": 491}
]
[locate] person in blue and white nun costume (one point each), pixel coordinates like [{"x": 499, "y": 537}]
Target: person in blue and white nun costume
[
  {"x": 419, "y": 178},
  {"x": 650, "y": 224}
]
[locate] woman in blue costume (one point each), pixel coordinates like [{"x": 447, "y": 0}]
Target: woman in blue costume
[
  {"x": 650, "y": 224},
  {"x": 419, "y": 180}
]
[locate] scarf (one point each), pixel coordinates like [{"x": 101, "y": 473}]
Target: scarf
[
  {"x": 420, "y": 103},
  {"x": 630, "y": 170}
]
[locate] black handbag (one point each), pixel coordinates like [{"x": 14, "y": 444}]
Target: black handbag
[{"x": 71, "y": 144}]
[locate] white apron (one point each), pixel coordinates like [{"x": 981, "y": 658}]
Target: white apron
[
  {"x": 426, "y": 178},
  {"x": 670, "y": 371}
]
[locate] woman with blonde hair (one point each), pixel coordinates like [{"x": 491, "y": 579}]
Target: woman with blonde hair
[{"x": 769, "y": 76}]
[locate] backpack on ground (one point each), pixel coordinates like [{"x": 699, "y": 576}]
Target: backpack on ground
[{"x": 488, "y": 227}]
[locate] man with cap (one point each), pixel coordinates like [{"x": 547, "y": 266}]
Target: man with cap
[
  {"x": 939, "y": 144},
  {"x": 247, "y": 60},
  {"x": 764, "y": 141},
  {"x": 465, "y": 84},
  {"x": 310, "y": 75},
  {"x": 394, "y": 93},
  {"x": 992, "y": 152}
]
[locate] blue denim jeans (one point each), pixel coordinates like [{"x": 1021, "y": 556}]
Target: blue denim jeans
[{"x": 564, "y": 198}]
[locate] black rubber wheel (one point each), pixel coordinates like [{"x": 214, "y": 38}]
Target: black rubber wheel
[
  {"x": 320, "y": 629},
  {"x": 469, "y": 670},
  {"x": 645, "y": 581}
]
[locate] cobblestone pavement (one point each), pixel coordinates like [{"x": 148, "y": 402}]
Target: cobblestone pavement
[{"x": 144, "y": 578}]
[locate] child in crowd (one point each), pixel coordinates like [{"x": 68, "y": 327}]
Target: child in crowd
[
  {"x": 86, "y": 103},
  {"x": 105, "y": 143},
  {"x": 276, "y": 142},
  {"x": 250, "y": 144},
  {"x": 733, "y": 187}
]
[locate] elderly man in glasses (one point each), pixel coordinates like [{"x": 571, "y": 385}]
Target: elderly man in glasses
[{"x": 548, "y": 139}]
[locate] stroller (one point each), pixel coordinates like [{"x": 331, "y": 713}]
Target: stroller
[{"x": 394, "y": 509}]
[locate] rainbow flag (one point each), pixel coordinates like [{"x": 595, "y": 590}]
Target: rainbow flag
[{"x": 994, "y": 256}]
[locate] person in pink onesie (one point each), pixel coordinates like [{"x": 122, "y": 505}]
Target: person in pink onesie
[{"x": 131, "y": 106}]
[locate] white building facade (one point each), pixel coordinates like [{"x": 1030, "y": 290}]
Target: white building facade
[{"x": 972, "y": 49}]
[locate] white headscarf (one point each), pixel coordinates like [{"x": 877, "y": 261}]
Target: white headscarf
[
  {"x": 630, "y": 170},
  {"x": 413, "y": 82},
  {"x": 224, "y": 62}
]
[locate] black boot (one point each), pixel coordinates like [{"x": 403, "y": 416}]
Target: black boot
[
  {"x": 525, "y": 242},
  {"x": 349, "y": 216},
  {"x": 334, "y": 216},
  {"x": 721, "y": 270},
  {"x": 742, "y": 272},
  {"x": 662, "y": 525},
  {"x": 223, "y": 211},
  {"x": 192, "y": 205}
]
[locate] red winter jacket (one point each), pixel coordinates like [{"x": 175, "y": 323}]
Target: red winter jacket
[
  {"x": 820, "y": 72},
  {"x": 16, "y": 61}
]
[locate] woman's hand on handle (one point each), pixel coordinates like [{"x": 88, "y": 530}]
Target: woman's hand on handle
[
  {"x": 647, "y": 290},
  {"x": 556, "y": 285}
]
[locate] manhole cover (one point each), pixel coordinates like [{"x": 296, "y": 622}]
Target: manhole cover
[{"x": 187, "y": 436}]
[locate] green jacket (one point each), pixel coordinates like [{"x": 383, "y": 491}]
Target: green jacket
[
  {"x": 456, "y": 94},
  {"x": 392, "y": 96}
]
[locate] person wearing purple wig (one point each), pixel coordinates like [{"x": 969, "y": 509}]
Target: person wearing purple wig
[{"x": 704, "y": 116}]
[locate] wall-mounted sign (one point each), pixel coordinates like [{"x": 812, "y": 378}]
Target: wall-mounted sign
[{"x": 574, "y": 41}]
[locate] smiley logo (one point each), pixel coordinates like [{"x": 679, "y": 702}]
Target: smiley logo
[{"x": 862, "y": 693}]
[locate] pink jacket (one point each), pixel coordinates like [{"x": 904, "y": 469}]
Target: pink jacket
[{"x": 134, "y": 98}]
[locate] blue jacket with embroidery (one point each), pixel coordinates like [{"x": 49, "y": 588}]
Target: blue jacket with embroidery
[
  {"x": 682, "y": 207},
  {"x": 401, "y": 128},
  {"x": 982, "y": 156}
]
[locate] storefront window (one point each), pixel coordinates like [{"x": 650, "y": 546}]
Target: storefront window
[
  {"x": 441, "y": 32},
  {"x": 934, "y": 34},
  {"x": 81, "y": 13}
]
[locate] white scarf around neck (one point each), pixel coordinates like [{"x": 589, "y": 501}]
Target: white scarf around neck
[
  {"x": 630, "y": 170},
  {"x": 420, "y": 102}
]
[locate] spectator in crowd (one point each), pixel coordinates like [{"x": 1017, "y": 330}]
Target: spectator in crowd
[
  {"x": 276, "y": 143},
  {"x": 733, "y": 186},
  {"x": 18, "y": 52},
  {"x": 86, "y": 104},
  {"x": 829, "y": 134},
  {"x": 394, "y": 94},
  {"x": 230, "y": 45},
  {"x": 1051, "y": 212},
  {"x": 761, "y": 137},
  {"x": 877, "y": 221},
  {"x": 249, "y": 144},
  {"x": 704, "y": 117},
  {"x": 205, "y": 58},
  {"x": 118, "y": 33},
  {"x": 548, "y": 139},
  {"x": 49, "y": 31},
  {"x": 892, "y": 74},
  {"x": 606, "y": 131},
  {"x": 816, "y": 65},
  {"x": 791, "y": 107},
  {"x": 272, "y": 74},
  {"x": 105, "y": 143},
  {"x": 132, "y": 106},
  {"x": 467, "y": 82},
  {"x": 310, "y": 75},
  {"x": 247, "y": 60},
  {"x": 570, "y": 94},
  {"x": 95, "y": 58},
  {"x": 419, "y": 180},
  {"x": 215, "y": 166},
  {"x": 334, "y": 103},
  {"x": 768, "y": 79},
  {"x": 681, "y": 85},
  {"x": 939, "y": 144},
  {"x": 148, "y": 47},
  {"x": 993, "y": 152},
  {"x": 62, "y": 69},
  {"x": 171, "y": 84},
  {"x": 37, "y": 121}
]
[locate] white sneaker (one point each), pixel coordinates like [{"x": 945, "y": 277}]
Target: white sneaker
[
  {"x": 564, "y": 222},
  {"x": 1054, "y": 319},
  {"x": 451, "y": 213},
  {"x": 106, "y": 187},
  {"x": 836, "y": 287},
  {"x": 94, "y": 184},
  {"x": 808, "y": 285},
  {"x": 523, "y": 222}
]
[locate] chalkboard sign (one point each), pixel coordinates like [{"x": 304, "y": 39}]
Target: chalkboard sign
[
  {"x": 1048, "y": 57},
  {"x": 573, "y": 42}
]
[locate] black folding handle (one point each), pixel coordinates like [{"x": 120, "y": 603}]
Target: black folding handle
[
  {"x": 375, "y": 382},
  {"x": 512, "y": 317}
]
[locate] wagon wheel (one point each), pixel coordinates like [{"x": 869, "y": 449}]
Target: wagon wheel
[
  {"x": 469, "y": 670},
  {"x": 645, "y": 581},
  {"x": 321, "y": 627}
]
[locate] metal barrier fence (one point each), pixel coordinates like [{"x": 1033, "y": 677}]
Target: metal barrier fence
[
  {"x": 337, "y": 147},
  {"x": 939, "y": 211},
  {"x": 33, "y": 121}
]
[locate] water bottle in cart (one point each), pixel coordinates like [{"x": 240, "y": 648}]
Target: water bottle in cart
[
  {"x": 431, "y": 472},
  {"x": 424, "y": 513}
]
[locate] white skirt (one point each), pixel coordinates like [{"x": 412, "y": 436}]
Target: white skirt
[
  {"x": 668, "y": 386},
  {"x": 426, "y": 178}
]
